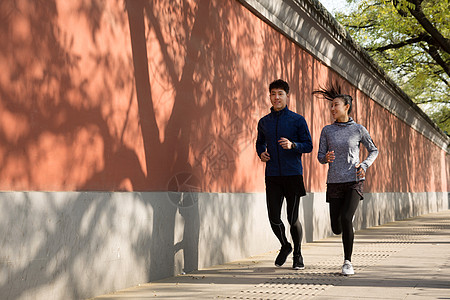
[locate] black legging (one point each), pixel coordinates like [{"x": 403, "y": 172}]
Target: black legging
[
  {"x": 341, "y": 212},
  {"x": 291, "y": 188}
]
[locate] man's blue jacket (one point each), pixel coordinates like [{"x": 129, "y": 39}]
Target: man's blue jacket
[{"x": 290, "y": 125}]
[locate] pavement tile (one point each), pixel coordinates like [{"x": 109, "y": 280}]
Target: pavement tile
[{"x": 408, "y": 259}]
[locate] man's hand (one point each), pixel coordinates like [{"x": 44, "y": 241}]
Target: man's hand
[
  {"x": 265, "y": 156},
  {"x": 285, "y": 143}
]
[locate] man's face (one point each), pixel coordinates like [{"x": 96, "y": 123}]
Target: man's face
[{"x": 278, "y": 98}]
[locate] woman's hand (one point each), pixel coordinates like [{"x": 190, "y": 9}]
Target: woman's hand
[
  {"x": 360, "y": 171},
  {"x": 330, "y": 156}
]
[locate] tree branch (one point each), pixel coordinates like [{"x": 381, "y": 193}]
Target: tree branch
[
  {"x": 445, "y": 120},
  {"x": 417, "y": 12},
  {"x": 432, "y": 101},
  {"x": 421, "y": 38},
  {"x": 400, "y": 11},
  {"x": 438, "y": 75},
  {"x": 433, "y": 51},
  {"x": 360, "y": 26}
]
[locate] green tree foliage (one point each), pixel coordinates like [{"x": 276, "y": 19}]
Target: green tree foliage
[{"x": 410, "y": 40}]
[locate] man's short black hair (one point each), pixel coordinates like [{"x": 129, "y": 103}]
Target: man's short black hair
[{"x": 279, "y": 84}]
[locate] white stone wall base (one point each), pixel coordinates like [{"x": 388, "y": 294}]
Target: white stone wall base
[{"x": 74, "y": 245}]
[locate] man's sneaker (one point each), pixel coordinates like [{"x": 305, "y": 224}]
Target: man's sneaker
[
  {"x": 298, "y": 263},
  {"x": 347, "y": 268},
  {"x": 284, "y": 252}
]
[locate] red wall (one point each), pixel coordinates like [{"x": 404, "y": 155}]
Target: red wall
[{"x": 164, "y": 95}]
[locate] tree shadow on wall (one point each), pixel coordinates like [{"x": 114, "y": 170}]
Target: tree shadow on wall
[
  {"x": 57, "y": 103},
  {"x": 206, "y": 119}
]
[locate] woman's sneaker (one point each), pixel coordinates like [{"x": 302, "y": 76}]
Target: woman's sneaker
[
  {"x": 347, "y": 268},
  {"x": 282, "y": 256},
  {"x": 298, "y": 263}
]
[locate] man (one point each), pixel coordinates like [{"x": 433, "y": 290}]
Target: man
[{"x": 282, "y": 138}]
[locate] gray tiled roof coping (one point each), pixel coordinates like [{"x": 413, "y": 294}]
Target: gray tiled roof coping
[{"x": 314, "y": 29}]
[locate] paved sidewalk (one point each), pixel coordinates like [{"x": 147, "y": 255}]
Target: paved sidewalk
[{"x": 400, "y": 260}]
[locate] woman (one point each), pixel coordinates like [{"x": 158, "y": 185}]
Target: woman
[{"x": 339, "y": 147}]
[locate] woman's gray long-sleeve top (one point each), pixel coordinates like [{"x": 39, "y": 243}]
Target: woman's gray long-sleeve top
[{"x": 344, "y": 139}]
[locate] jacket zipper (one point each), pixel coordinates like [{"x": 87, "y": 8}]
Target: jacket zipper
[{"x": 276, "y": 134}]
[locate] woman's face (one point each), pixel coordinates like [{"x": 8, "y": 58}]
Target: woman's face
[{"x": 339, "y": 110}]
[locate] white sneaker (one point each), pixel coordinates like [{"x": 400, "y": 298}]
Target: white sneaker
[{"x": 347, "y": 268}]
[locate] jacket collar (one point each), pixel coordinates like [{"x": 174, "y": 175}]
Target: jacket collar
[
  {"x": 349, "y": 122},
  {"x": 284, "y": 110}
]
